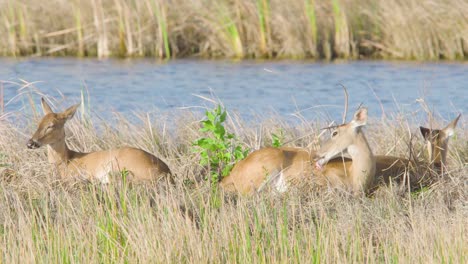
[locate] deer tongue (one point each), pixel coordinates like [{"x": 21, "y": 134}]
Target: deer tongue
[{"x": 319, "y": 164}]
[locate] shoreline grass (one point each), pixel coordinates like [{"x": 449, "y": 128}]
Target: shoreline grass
[
  {"x": 45, "y": 220},
  {"x": 256, "y": 29}
]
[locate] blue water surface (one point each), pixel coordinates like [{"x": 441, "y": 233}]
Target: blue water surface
[{"x": 248, "y": 87}]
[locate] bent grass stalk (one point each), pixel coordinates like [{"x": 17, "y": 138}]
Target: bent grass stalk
[
  {"x": 228, "y": 31},
  {"x": 234, "y": 38}
]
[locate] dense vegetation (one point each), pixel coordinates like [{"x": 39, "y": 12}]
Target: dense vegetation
[
  {"x": 318, "y": 29},
  {"x": 46, "y": 220}
]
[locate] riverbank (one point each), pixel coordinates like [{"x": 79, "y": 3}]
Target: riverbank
[{"x": 297, "y": 29}]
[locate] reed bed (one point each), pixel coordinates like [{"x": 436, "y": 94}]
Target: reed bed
[
  {"x": 48, "y": 221},
  {"x": 296, "y": 29}
]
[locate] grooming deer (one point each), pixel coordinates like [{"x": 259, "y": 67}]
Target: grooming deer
[
  {"x": 99, "y": 165},
  {"x": 281, "y": 167}
]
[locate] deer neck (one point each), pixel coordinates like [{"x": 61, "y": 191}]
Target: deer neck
[
  {"x": 438, "y": 156},
  {"x": 362, "y": 170},
  {"x": 58, "y": 152}
]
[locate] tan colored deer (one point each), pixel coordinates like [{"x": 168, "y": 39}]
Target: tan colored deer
[
  {"x": 281, "y": 167},
  {"x": 100, "y": 165},
  {"x": 390, "y": 167},
  {"x": 437, "y": 144}
]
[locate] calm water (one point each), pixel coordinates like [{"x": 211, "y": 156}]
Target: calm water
[{"x": 251, "y": 88}]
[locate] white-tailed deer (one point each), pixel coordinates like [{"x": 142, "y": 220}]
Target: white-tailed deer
[
  {"x": 100, "y": 165},
  {"x": 394, "y": 168},
  {"x": 281, "y": 167},
  {"x": 437, "y": 144}
]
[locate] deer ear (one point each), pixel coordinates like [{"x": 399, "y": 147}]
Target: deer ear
[
  {"x": 425, "y": 132},
  {"x": 45, "y": 107},
  {"x": 360, "y": 118},
  {"x": 449, "y": 130},
  {"x": 68, "y": 114}
]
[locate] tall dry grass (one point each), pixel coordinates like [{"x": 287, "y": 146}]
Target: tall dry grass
[
  {"x": 46, "y": 220},
  {"x": 398, "y": 29}
]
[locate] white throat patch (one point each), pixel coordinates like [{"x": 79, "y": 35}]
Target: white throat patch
[{"x": 353, "y": 150}]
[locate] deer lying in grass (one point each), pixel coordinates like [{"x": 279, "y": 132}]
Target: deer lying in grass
[
  {"x": 140, "y": 164},
  {"x": 281, "y": 167},
  {"x": 437, "y": 144},
  {"x": 390, "y": 168}
]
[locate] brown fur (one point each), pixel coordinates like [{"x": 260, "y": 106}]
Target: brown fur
[
  {"x": 140, "y": 164},
  {"x": 295, "y": 165},
  {"x": 265, "y": 166}
]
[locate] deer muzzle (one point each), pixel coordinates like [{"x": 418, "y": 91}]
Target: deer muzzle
[{"x": 32, "y": 144}]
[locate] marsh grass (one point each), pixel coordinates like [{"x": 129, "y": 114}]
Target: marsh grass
[
  {"x": 312, "y": 17},
  {"x": 319, "y": 29},
  {"x": 49, "y": 221}
]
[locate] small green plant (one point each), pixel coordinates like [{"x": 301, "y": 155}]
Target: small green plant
[
  {"x": 219, "y": 150},
  {"x": 419, "y": 192},
  {"x": 277, "y": 139}
]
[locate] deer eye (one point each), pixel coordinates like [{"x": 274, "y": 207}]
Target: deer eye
[
  {"x": 49, "y": 127},
  {"x": 334, "y": 133}
]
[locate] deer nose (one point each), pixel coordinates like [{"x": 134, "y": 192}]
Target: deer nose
[{"x": 32, "y": 144}]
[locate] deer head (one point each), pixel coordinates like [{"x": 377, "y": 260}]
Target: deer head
[{"x": 51, "y": 127}]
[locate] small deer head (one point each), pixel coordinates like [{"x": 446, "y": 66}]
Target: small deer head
[
  {"x": 51, "y": 127},
  {"x": 437, "y": 141}
]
